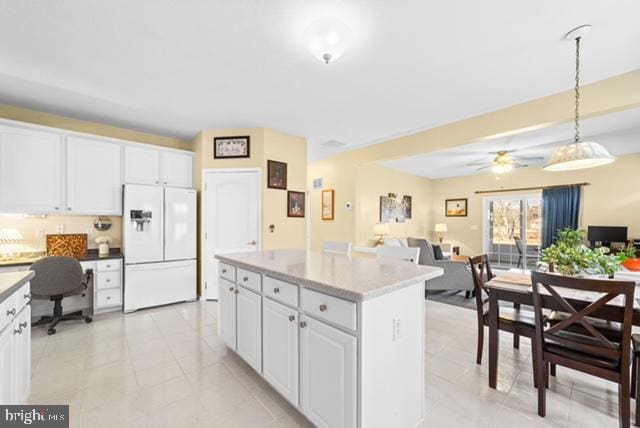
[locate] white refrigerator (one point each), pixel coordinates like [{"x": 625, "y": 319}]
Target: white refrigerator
[{"x": 159, "y": 240}]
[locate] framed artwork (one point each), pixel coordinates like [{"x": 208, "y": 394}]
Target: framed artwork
[
  {"x": 232, "y": 147},
  {"x": 387, "y": 209},
  {"x": 455, "y": 207},
  {"x": 406, "y": 206},
  {"x": 328, "y": 198},
  {"x": 276, "y": 175},
  {"x": 295, "y": 204}
]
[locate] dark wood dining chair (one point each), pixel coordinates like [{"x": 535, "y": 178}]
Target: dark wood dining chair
[
  {"x": 591, "y": 353},
  {"x": 516, "y": 321}
]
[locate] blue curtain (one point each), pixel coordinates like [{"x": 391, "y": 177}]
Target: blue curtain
[{"x": 560, "y": 209}]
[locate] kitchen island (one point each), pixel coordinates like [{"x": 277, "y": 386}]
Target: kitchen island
[{"x": 341, "y": 338}]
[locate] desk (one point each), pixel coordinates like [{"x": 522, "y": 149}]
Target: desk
[{"x": 521, "y": 293}]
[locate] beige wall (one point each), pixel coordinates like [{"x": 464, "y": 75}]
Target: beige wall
[
  {"x": 372, "y": 181},
  {"x": 71, "y": 124},
  {"x": 612, "y": 199},
  {"x": 33, "y": 230}
]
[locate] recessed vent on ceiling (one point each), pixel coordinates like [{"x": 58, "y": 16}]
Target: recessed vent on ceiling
[{"x": 333, "y": 144}]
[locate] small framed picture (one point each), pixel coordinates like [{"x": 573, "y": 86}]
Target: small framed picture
[
  {"x": 328, "y": 198},
  {"x": 232, "y": 147},
  {"x": 276, "y": 175},
  {"x": 455, "y": 207},
  {"x": 295, "y": 204}
]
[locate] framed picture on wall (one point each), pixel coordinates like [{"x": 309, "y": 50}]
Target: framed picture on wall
[
  {"x": 295, "y": 204},
  {"x": 387, "y": 209},
  {"x": 276, "y": 175},
  {"x": 328, "y": 198},
  {"x": 232, "y": 147},
  {"x": 455, "y": 207}
]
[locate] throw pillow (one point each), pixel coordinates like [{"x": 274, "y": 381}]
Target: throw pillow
[{"x": 437, "y": 252}]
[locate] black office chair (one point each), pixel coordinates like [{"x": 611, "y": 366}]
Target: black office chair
[{"x": 56, "y": 278}]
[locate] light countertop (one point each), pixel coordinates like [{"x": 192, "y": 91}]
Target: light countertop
[
  {"x": 351, "y": 278},
  {"x": 11, "y": 281}
]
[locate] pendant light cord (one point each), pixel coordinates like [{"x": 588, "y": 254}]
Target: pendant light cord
[{"x": 577, "y": 90}]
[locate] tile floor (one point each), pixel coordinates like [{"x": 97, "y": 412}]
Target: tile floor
[{"x": 167, "y": 367}]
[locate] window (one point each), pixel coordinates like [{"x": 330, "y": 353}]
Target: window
[{"x": 512, "y": 230}]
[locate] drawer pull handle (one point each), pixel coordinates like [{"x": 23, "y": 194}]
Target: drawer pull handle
[
  {"x": 224, "y": 271},
  {"x": 291, "y": 318},
  {"x": 23, "y": 324},
  {"x": 27, "y": 296},
  {"x": 303, "y": 324},
  {"x": 323, "y": 308},
  {"x": 108, "y": 297},
  {"x": 19, "y": 331},
  {"x": 11, "y": 312},
  {"x": 108, "y": 266},
  {"x": 276, "y": 290},
  {"x": 245, "y": 279}
]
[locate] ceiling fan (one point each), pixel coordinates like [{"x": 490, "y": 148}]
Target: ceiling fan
[{"x": 504, "y": 162}]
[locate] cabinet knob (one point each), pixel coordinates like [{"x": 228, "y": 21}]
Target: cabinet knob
[
  {"x": 23, "y": 324},
  {"x": 276, "y": 290},
  {"x": 108, "y": 297},
  {"x": 237, "y": 291},
  {"x": 11, "y": 312},
  {"x": 323, "y": 308},
  {"x": 291, "y": 318},
  {"x": 108, "y": 266},
  {"x": 303, "y": 324},
  {"x": 245, "y": 279},
  {"x": 108, "y": 280},
  {"x": 224, "y": 271},
  {"x": 56, "y": 208},
  {"x": 68, "y": 208},
  {"x": 230, "y": 288},
  {"x": 27, "y": 296},
  {"x": 19, "y": 331},
  {"x": 157, "y": 182}
]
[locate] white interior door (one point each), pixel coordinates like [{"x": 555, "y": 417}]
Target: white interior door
[
  {"x": 232, "y": 205},
  {"x": 180, "y": 224}
]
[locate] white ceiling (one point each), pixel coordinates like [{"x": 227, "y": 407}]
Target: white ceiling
[
  {"x": 618, "y": 132},
  {"x": 176, "y": 67}
]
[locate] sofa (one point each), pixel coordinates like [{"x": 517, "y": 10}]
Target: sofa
[{"x": 457, "y": 275}]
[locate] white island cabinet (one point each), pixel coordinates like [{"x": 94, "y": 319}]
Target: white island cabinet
[{"x": 340, "y": 338}]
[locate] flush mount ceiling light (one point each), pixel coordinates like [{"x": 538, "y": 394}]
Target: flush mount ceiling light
[
  {"x": 579, "y": 154},
  {"x": 328, "y": 39}
]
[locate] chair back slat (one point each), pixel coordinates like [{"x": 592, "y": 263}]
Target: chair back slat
[
  {"x": 549, "y": 287},
  {"x": 481, "y": 273}
]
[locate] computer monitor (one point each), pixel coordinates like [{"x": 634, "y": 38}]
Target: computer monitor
[{"x": 607, "y": 234}]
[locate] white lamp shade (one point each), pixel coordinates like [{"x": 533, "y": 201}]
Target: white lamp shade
[
  {"x": 579, "y": 156},
  {"x": 381, "y": 229},
  {"x": 328, "y": 39},
  {"x": 10, "y": 235},
  {"x": 441, "y": 227}
]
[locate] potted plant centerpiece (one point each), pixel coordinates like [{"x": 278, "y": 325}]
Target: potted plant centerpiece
[
  {"x": 629, "y": 259},
  {"x": 570, "y": 256}
]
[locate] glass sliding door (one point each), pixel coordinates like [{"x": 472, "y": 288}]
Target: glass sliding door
[{"x": 512, "y": 229}]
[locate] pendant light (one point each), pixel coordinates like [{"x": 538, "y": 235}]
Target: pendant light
[{"x": 579, "y": 154}]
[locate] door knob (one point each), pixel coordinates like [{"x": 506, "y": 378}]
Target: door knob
[{"x": 252, "y": 242}]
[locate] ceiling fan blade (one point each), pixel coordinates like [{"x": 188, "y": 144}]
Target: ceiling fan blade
[
  {"x": 529, "y": 158},
  {"x": 477, "y": 164},
  {"x": 520, "y": 165},
  {"x": 483, "y": 167}
]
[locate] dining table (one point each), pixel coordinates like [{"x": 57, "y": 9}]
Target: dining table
[{"x": 515, "y": 287}]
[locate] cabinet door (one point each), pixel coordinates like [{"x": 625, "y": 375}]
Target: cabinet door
[
  {"x": 328, "y": 375},
  {"x": 177, "y": 169},
  {"x": 7, "y": 366},
  {"x": 141, "y": 165},
  {"x": 22, "y": 355},
  {"x": 249, "y": 329},
  {"x": 30, "y": 171},
  {"x": 227, "y": 312},
  {"x": 280, "y": 348},
  {"x": 94, "y": 177}
]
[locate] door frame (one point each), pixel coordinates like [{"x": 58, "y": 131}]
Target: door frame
[{"x": 203, "y": 217}]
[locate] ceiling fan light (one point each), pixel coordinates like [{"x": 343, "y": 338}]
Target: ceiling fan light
[{"x": 587, "y": 154}]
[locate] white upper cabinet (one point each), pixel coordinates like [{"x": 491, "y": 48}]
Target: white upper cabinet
[
  {"x": 94, "y": 176},
  {"x": 177, "y": 169},
  {"x": 146, "y": 165},
  {"x": 141, "y": 165},
  {"x": 30, "y": 171}
]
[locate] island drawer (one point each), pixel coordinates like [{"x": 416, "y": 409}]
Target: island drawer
[
  {"x": 280, "y": 290},
  {"x": 251, "y": 280},
  {"x": 333, "y": 309},
  {"x": 227, "y": 271}
]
